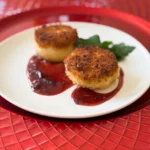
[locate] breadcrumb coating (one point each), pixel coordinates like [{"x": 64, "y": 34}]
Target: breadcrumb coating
[
  {"x": 57, "y": 36},
  {"x": 92, "y": 67}
]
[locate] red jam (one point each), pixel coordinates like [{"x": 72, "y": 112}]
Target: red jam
[
  {"x": 83, "y": 96},
  {"x": 50, "y": 79},
  {"x": 47, "y": 78}
]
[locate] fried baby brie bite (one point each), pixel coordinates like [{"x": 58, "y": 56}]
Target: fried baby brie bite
[
  {"x": 55, "y": 42},
  {"x": 92, "y": 67}
]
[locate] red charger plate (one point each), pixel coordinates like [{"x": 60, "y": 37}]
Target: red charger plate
[{"x": 123, "y": 130}]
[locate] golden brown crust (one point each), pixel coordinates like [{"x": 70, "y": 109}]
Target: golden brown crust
[
  {"x": 55, "y": 36},
  {"x": 91, "y": 63}
]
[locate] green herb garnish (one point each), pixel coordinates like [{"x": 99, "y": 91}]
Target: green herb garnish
[
  {"x": 93, "y": 40},
  {"x": 119, "y": 50}
]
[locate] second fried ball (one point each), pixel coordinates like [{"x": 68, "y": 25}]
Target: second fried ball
[{"x": 92, "y": 67}]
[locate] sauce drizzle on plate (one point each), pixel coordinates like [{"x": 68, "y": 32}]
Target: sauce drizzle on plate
[
  {"x": 84, "y": 96},
  {"x": 48, "y": 78}
]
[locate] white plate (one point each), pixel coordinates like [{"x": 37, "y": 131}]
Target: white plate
[{"x": 14, "y": 85}]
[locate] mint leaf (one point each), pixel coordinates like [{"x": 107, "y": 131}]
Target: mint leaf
[
  {"x": 106, "y": 44},
  {"x": 121, "y": 50},
  {"x": 93, "y": 40}
]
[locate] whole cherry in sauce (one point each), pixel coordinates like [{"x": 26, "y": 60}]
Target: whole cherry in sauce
[{"x": 47, "y": 78}]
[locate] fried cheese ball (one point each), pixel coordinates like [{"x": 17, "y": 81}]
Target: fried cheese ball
[
  {"x": 55, "y": 42},
  {"x": 91, "y": 67}
]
